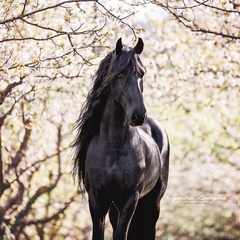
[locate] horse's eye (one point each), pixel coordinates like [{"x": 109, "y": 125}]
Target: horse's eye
[{"x": 121, "y": 75}]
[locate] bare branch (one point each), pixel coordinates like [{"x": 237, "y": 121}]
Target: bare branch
[
  {"x": 193, "y": 25},
  {"x": 21, "y": 16},
  {"x": 54, "y": 216},
  {"x": 5, "y": 62},
  {"x": 38, "y": 163},
  {"x": 21, "y": 152},
  {"x": 28, "y": 207},
  {"x": 216, "y": 8},
  {"x": 8, "y": 89},
  {"x": 58, "y": 33},
  {"x": 3, "y": 184},
  {"x": 201, "y": 30},
  {"x": 31, "y": 38},
  {"x": 73, "y": 32},
  {"x": 118, "y": 18},
  {"x": 18, "y": 225},
  {"x": 12, "y": 200},
  {"x": 24, "y": 7}
]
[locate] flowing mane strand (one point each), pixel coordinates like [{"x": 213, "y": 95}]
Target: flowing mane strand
[{"x": 90, "y": 116}]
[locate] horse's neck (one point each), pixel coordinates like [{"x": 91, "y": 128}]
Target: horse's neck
[{"x": 114, "y": 126}]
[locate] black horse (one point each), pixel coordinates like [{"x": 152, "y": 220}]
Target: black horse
[{"x": 121, "y": 154}]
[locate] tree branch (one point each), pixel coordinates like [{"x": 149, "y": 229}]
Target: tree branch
[
  {"x": 207, "y": 31},
  {"x": 31, "y": 38},
  {"x": 21, "y": 152},
  {"x": 193, "y": 25},
  {"x": 18, "y": 224},
  {"x": 22, "y": 15},
  {"x": 217, "y": 8},
  {"x": 118, "y": 18},
  {"x": 24, "y": 7},
  {"x": 12, "y": 200},
  {"x": 54, "y": 216},
  {"x": 8, "y": 89},
  {"x": 3, "y": 184}
]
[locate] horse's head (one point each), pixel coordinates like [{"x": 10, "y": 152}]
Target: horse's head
[{"x": 127, "y": 84}]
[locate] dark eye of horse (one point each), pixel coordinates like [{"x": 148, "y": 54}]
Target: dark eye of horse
[{"x": 121, "y": 75}]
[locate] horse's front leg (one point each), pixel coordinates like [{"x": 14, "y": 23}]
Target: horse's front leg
[
  {"x": 98, "y": 212},
  {"x": 126, "y": 212}
]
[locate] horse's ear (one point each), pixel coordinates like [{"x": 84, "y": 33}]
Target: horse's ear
[
  {"x": 139, "y": 46},
  {"x": 119, "y": 46}
]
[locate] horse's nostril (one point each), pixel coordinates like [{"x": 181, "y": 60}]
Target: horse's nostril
[
  {"x": 134, "y": 116},
  {"x": 137, "y": 119}
]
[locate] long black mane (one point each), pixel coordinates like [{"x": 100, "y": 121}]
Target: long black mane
[{"x": 90, "y": 116}]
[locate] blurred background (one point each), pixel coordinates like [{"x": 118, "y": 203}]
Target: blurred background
[{"x": 49, "y": 52}]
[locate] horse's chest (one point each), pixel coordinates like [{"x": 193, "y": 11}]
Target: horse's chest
[
  {"x": 115, "y": 167},
  {"x": 124, "y": 167}
]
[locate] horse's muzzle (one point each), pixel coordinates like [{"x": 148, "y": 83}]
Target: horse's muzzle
[{"x": 137, "y": 120}]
